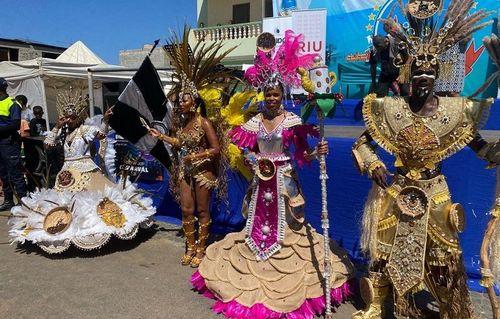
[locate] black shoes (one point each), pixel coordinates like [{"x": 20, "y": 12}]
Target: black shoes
[{"x": 7, "y": 205}]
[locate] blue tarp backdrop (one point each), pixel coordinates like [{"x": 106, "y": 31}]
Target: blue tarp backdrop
[{"x": 470, "y": 183}]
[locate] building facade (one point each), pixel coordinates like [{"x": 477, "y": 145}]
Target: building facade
[
  {"x": 237, "y": 23},
  {"x": 134, "y": 58},
  {"x": 22, "y": 50}
]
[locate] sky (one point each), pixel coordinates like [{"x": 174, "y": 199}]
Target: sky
[{"x": 105, "y": 26}]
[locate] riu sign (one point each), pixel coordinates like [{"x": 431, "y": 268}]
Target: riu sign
[
  {"x": 310, "y": 23},
  {"x": 312, "y": 46}
]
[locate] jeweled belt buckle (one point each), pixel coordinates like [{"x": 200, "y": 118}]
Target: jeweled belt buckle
[
  {"x": 265, "y": 169},
  {"x": 412, "y": 201}
]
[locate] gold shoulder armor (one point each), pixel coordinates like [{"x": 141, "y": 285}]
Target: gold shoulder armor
[
  {"x": 478, "y": 111},
  {"x": 376, "y": 123}
]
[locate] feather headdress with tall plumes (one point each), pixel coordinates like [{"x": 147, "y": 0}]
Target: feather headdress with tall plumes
[
  {"x": 71, "y": 102},
  {"x": 197, "y": 68},
  {"x": 424, "y": 40},
  {"x": 272, "y": 68},
  {"x": 199, "y": 72}
]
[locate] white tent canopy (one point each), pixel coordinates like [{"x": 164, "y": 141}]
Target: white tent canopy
[
  {"x": 40, "y": 78},
  {"x": 78, "y": 52}
]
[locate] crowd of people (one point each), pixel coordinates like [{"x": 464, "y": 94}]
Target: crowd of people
[
  {"x": 279, "y": 266},
  {"x": 32, "y": 121}
]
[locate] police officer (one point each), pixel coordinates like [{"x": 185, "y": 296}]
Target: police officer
[{"x": 10, "y": 148}]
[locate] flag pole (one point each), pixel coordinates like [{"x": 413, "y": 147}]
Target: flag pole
[
  {"x": 154, "y": 46},
  {"x": 325, "y": 223}
]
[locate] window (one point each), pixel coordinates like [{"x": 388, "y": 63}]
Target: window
[
  {"x": 9, "y": 54},
  {"x": 4, "y": 54},
  {"x": 14, "y": 54},
  {"x": 50, "y": 55},
  {"x": 268, "y": 9},
  {"x": 241, "y": 13}
]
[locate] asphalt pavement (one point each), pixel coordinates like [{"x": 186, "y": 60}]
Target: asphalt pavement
[{"x": 137, "y": 279}]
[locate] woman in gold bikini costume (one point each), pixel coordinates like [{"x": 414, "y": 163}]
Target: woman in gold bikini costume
[
  {"x": 195, "y": 178},
  {"x": 200, "y": 165}
]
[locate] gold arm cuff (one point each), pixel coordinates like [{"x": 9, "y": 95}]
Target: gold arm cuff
[
  {"x": 487, "y": 279},
  {"x": 364, "y": 154},
  {"x": 393, "y": 191},
  {"x": 168, "y": 139},
  {"x": 375, "y": 165},
  {"x": 490, "y": 152}
]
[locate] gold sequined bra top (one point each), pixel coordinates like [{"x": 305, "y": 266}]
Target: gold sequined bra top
[
  {"x": 421, "y": 142},
  {"x": 193, "y": 141}
]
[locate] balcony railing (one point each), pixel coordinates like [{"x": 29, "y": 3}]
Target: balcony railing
[{"x": 229, "y": 32}]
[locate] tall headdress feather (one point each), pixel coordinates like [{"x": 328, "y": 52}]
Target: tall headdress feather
[
  {"x": 71, "y": 102},
  {"x": 272, "y": 67},
  {"x": 198, "y": 68},
  {"x": 426, "y": 39}
]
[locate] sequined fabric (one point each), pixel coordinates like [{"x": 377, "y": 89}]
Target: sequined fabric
[
  {"x": 192, "y": 142},
  {"x": 276, "y": 263}
]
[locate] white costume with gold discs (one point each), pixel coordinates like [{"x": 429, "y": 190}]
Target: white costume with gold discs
[{"x": 84, "y": 207}]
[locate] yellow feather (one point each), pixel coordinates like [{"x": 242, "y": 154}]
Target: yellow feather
[
  {"x": 212, "y": 96},
  {"x": 236, "y": 161},
  {"x": 234, "y": 114}
]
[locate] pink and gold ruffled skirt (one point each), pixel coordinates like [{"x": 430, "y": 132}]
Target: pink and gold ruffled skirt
[{"x": 289, "y": 284}]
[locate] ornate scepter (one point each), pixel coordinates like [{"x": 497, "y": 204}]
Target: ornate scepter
[
  {"x": 325, "y": 104},
  {"x": 488, "y": 279},
  {"x": 325, "y": 223},
  {"x": 492, "y": 45}
]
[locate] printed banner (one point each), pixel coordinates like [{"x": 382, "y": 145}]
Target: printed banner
[
  {"x": 350, "y": 25},
  {"x": 140, "y": 166},
  {"x": 310, "y": 23},
  {"x": 277, "y": 27}
]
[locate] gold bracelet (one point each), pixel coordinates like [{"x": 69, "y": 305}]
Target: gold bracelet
[
  {"x": 165, "y": 138},
  {"x": 374, "y": 166}
]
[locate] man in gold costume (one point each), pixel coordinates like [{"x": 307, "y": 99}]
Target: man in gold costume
[{"x": 411, "y": 226}]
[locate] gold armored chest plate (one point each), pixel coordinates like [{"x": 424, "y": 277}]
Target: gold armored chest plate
[{"x": 419, "y": 142}]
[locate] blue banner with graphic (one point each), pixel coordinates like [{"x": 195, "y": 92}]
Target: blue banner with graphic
[{"x": 350, "y": 25}]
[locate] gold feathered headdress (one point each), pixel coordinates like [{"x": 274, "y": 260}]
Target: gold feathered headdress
[
  {"x": 71, "y": 102},
  {"x": 425, "y": 37},
  {"x": 198, "y": 68}
]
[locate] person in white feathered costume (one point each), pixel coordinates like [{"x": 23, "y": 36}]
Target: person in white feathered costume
[{"x": 84, "y": 207}]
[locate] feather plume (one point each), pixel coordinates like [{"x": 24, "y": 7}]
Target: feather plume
[
  {"x": 424, "y": 38},
  {"x": 280, "y": 68},
  {"x": 199, "y": 67}
]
